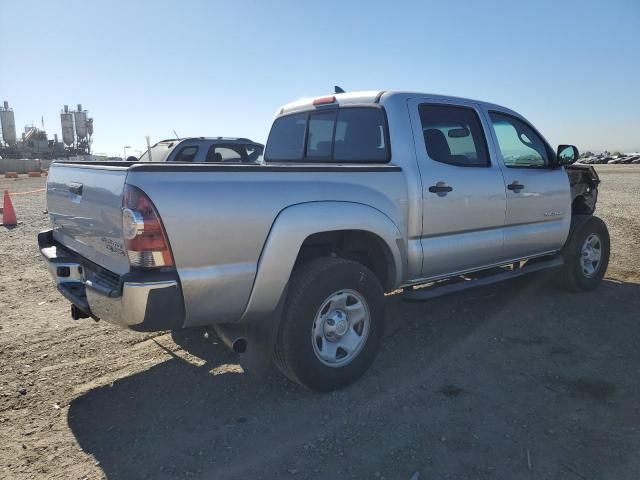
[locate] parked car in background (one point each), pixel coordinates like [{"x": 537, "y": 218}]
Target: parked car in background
[
  {"x": 205, "y": 149},
  {"x": 361, "y": 193}
]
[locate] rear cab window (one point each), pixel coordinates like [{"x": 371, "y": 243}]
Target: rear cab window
[{"x": 338, "y": 135}]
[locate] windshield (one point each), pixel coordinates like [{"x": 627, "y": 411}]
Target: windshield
[{"x": 159, "y": 152}]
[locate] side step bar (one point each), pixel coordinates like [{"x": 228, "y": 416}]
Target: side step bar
[{"x": 439, "y": 289}]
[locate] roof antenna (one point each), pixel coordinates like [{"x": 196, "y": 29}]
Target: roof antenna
[
  {"x": 337, "y": 89},
  {"x": 177, "y": 136}
]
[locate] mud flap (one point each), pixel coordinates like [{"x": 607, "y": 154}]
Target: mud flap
[{"x": 261, "y": 334}]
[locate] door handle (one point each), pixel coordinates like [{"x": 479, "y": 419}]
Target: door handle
[
  {"x": 440, "y": 187},
  {"x": 515, "y": 186}
]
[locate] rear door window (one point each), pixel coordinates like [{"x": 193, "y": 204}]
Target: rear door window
[
  {"x": 453, "y": 135},
  {"x": 343, "y": 135},
  {"x": 231, "y": 153}
]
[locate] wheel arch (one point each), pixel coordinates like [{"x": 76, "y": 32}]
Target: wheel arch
[
  {"x": 362, "y": 246},
  {"x": 580, "y": 206},
  {"x": 298, "y": 228}
]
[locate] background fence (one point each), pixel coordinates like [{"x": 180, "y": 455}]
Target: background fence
[{"x": 23, "y": 165}]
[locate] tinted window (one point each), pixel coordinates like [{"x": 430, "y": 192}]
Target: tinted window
[
  {"x": 159, "y": 152},
  {"x": 187, "y": 154},
  {"x": 356, "y": 134},
  {"x": 519, "y": 144},
  {"x": 320, "y": 135},
  {"x": 225, "y": 154},
  {"x": 254, "y": 153},
  {"x": 286, "y": 139},
  {"x": 453, "y": 135},
  {"x": 360, "y": 136}
]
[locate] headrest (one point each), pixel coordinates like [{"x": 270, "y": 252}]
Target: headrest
[{"x": 437, "y": 146}]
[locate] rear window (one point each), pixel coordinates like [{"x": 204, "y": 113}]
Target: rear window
[
  {"x": 320, "y": 138},
  {"x": 345, "y": 135},
  {"x": 286, "y": 140}
]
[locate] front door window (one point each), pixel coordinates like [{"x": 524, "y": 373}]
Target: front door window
[{"x": 520, "y": 145}]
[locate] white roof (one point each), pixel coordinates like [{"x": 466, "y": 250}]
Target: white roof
[{"x": 373, "y": 96}]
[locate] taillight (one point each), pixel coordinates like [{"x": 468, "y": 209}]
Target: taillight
[{"x": 144, "y": 235}]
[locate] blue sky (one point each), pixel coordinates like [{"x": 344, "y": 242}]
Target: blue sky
[{"x": 224, "y": 68}]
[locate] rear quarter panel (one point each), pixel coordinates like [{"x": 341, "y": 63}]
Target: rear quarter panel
[{"x": 218, "y": 221}]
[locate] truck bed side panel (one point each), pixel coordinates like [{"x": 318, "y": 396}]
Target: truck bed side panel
[{"x": 218, "y": 221}]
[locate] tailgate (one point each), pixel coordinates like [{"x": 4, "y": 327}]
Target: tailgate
[{"x": 85, "y": 208}]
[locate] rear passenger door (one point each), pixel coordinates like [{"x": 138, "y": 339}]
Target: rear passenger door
[{"x": 463, "y": 192}]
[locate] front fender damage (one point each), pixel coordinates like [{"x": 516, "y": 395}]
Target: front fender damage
[{"x": 584, "y": 183}]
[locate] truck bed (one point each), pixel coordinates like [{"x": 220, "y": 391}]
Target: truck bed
[{"x": 217, "y": 216}]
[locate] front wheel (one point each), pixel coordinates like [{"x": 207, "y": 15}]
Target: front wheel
[
  {"x": 586, "y": 254},
  {"x": 332, "y": 324}
]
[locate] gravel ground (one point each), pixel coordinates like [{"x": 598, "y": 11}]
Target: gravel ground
[{"x": 513, "y": 381}]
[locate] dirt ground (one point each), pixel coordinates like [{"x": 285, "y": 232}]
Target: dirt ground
[{"x": 513, "y": 381}]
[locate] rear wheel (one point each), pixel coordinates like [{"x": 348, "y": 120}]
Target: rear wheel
[
  {"x": 332, "y": 324},
  {"x": 586, "y": 254}
]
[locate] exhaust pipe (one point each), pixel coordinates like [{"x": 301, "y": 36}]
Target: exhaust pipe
[
  {"x": 77, "y": 314},
  {"x": 233, "y": 337},
  {"x": 239, "y": 345}
]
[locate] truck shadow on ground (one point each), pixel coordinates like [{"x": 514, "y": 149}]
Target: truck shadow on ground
[{"x": 455, "y": 381}]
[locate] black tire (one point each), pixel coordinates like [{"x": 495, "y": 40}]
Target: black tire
[
  {"x": 310, "y": 286},
  {"x": 573, "y": 277}
]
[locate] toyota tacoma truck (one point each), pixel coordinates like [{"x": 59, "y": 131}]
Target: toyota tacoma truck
[{"x": 361, "y": 194}]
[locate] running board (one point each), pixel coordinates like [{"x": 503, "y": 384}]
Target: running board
[{"x": 446, "y": 287}]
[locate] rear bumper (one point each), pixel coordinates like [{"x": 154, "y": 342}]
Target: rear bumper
[{"x": 143, "y": 301}]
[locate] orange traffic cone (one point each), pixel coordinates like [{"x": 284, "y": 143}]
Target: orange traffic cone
[{"x": 8, "y": 213}]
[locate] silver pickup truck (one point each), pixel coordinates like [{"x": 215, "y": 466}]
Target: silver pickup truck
[{"x": 360, "y": 194}]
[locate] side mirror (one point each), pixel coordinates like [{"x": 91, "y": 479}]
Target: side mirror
[{"x": 567, "y": 154}]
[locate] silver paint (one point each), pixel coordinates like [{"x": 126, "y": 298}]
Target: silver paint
[
  {"x": 129, "y": 309},
  {"x": 235, "y": 236},
  {"x": 92, "y": 224}
]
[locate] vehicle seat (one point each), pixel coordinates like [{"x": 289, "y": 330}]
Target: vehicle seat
[
  {"x": 437, "y": 146},
  {"x": 323, "y": 148},
  {"x": 213, "y": 156}
]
